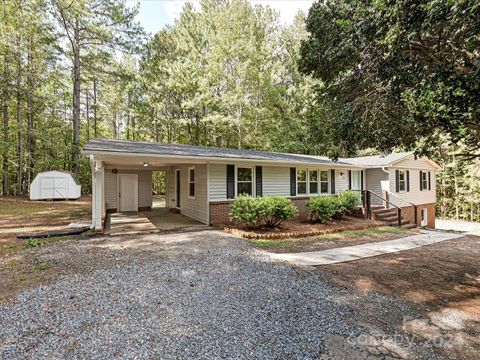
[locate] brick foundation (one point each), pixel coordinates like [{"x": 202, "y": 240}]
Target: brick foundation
[
  {"x": 219, "y": 211},
  {"x": 409, "y": 213}
]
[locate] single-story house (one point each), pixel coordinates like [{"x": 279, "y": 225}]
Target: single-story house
[{"x": 203, "y": 181}]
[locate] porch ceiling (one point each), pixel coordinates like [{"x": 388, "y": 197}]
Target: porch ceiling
[{"x": 137, "y": 161}]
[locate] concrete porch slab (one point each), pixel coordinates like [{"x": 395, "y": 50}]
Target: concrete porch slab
[
  {"x": 351, "y": 253},
  {"x": 130, "y": 223}
]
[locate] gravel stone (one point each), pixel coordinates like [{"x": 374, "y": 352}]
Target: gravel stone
[{"x": 204, "y": 295}]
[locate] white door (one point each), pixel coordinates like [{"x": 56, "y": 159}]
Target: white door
[
  {"x": 424, "y": 217},
  {"x": 356, "y": 180},
  {"x": 128, "y": 192}
]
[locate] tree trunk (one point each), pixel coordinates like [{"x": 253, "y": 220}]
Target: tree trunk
[
  {"x": 87, "y": 100},
  {"x": 128, "y": 116},
  {"x": 95, "y": 108},
  {"x": 19, "y": 123},
  {"x": 30, "y": 121},
  {"x": 6, "y": 121},
  {"x": 76, "y": 99}
]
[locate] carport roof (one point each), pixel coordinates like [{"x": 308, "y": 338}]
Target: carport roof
[{"x": 112, "y": 147}]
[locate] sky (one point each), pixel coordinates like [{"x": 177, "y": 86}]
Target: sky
[{"x": 155, "y": 14}]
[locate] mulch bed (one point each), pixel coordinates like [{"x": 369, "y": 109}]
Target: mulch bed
[{"x": 298, "y": 228}]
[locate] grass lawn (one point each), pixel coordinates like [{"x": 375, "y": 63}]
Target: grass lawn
[
  {"x": 329, "y": 241},
  {"x": 20, "y": 215}
]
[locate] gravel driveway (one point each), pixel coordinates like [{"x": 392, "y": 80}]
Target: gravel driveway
[{"x": 196, "y": 295}]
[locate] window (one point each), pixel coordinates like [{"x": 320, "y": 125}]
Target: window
[
  {"x": 244, "y": 181},
  {"x": 402, "y": 180},
  {"x": 313, "y": 181},
  {"x": 301, "y": 181},
  {"x": 324, "y": 182},
  {"x": 424, "y": 180},
  {"x": 191, "y": 182}
]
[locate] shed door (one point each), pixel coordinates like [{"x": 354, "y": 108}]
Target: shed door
[
  {"x": 128, "y": 192},
  {"x": 61, "y": 188},
  {"x": 47, "y": 187}
]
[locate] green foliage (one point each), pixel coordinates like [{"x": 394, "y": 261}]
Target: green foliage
[
  {"x": 261, "y": 212},
  {"x": 323, "y": 208},
  {"x": 408, "y": 68},
  {"x": 246, "y": 210},
  {"x": 348, "y": 201},
  {"x": 32, "y": 242},
  {"x": 276, "y": 209}
]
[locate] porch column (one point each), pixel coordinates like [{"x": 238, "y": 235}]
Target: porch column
[{"x": 98, "y": 194}]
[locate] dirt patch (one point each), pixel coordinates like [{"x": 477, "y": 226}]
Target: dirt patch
[
  {"x": 332, "y": 241},
  {"x": 442, "y": 281},
  {"x": 298, "y": 228},
  {"x": 19, "y": 215}
]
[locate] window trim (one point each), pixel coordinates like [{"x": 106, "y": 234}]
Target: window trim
[
  {"x": 305, "y": 181},
  {"x": 192, "y": 182},
  {"x": 425, "y": 182},
  {"x": 400, "y": 172},
  {"x": 325, "y": 181},
  {"x": 319, "y": 183},
  {"x": 252, "y": 181}
]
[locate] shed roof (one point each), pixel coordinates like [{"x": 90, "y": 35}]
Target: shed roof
[{"x": 147, "y": 148}]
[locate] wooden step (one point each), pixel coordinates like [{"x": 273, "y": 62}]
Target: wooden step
[
  {"x": 409, "y": 226},
  {"x": 395, "y": 223},
  {"x": 383, "y": 211},
  {"x": 386, "y": 216}
]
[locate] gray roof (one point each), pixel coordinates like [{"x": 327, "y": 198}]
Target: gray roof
[
  {"x": 377, "y": 160},
  {"x": 149, "y": 148}
]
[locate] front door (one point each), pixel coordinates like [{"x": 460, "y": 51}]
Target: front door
[
  {"x": 177, "y": 188},
  {"x": 128, "y": 192}
]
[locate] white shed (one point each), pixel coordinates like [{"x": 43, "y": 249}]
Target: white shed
[{"x": 54, "y": 185}]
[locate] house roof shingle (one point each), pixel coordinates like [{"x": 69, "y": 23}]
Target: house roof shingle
[{"x": 148, "y": 148}]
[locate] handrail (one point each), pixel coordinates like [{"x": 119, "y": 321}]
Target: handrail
[
  {"x": 378, "y": 196},
  {"x": 408, "y": 202},
  {"x": 366, "y": 199}
]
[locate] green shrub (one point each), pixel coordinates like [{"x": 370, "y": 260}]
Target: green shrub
[
  {"x": 348, "y": 201},
  {"x": 261, "y": 212},
  {"x": 322, "y": 208},
  {"x": 245, "y": 210},
  {"x": 276, "y": 209}
]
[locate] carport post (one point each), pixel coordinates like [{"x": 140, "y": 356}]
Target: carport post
[{"x": 97, "y": 194}]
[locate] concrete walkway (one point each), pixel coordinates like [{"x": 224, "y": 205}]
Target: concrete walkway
[{"x": 351, "y": 253}]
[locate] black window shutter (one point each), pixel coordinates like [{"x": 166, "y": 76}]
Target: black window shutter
[
  {"x": 293, "y": 181},
  {"x": 349, "y": 179},
  {"x": 429, "y": 184},
  {"x": 408, "y": 180},
  {"x": 361, "y": 180},
  {"x": 258, "y": 181},
  {"x": 332, "y": 181},
  {"x": 421, "y": 182},
  {"x": 230, "y": 181},
  {"x": 397, "y": 181}
]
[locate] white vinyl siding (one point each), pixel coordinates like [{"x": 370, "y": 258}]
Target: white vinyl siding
[
  {"x": 414, "y": 195},
  {"x": 276, "y": 181},
  {"x": 374, "y": 178},
  {"x": 194, "y": 207},
  {"x": 218, "y": 181},
  {"x": 341, "y": 180},
  {"x": 144, "y": 187}
]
